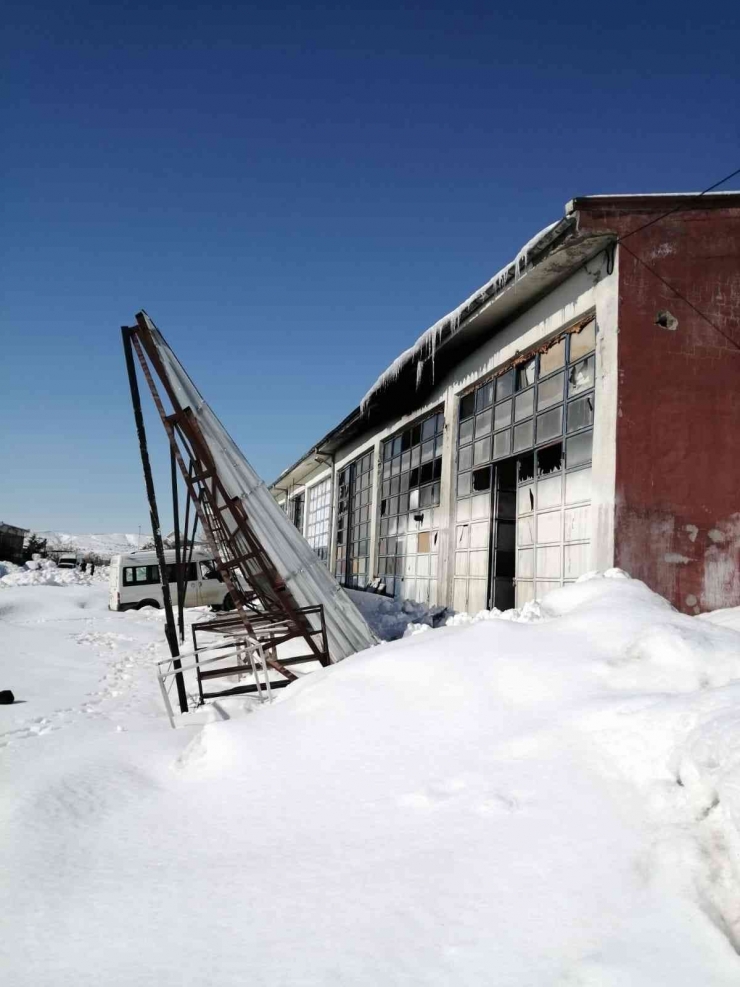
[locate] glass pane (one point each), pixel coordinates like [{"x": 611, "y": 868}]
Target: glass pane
[
  {"x": 583, "y": 342},
  {"x": 413, "y": 499},
  {"x": 427, "y": 429},
  {"x": 466, "y": 431},
  {"x": 553, "y": 359},
  {"x": 524, "y": 405},
  {"x": 484, "y": 397},
  {"x": 502, "y": 417},
  {"x": 525, "y": 375},
  {"x": 523, "y": 436},
  {"x": 505, "y": 385},
  {"x": 581, "y": 377},
  {"x": 482, "y": 452},
  {"x": 578, "y": 449},
  {"x": 465, "y": 459},
  {"x": 580, "y": 413},
  {"x": 502, "y": 444},
  {"x": 415, "y": 456},
  {"x": 550, "y": 392},
  {"x": 427, "y": 451},
  {"x": 578, "y": 486},
  {"x": 483, "y": 423},
  {"x": 550, "y": 424},
  {"x": 439, "y": 422},
  {"x": 463, "y": 485}
]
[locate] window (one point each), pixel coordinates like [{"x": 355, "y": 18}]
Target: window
[
  {"x": 148, "y": 575},
  {"x": 354, "y": 499},
  {"x": 317, "y": 522},
  {"x": 408, "y": 532},
  {"x": 296, "y": 511},
  {"x": 533, "y": 403},
  {"x": 525, "y": 461}
]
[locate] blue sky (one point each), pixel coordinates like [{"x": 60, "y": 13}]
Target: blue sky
[{"x": 294, "y": 193}]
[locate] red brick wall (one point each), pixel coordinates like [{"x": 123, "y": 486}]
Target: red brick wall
[{"x": 677, "y": 523}]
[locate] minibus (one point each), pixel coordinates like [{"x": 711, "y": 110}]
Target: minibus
[{"x": 134, "y": 581}]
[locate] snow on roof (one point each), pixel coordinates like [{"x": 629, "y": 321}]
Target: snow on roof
[{"x": 427, "y": 343}]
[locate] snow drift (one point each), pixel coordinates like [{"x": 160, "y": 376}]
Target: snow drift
[{"x": 541, "y": 802}]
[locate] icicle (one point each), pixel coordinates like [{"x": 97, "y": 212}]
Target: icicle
[{"x": 419, "y": 372}]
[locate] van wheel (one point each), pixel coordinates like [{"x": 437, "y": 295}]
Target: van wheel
[
  {"x": 147, "y": 603},
  {"x": 228, "y": 603}
]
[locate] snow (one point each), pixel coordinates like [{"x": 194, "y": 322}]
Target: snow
[
  {"x": 426, "y": 345},
  {"x": 549, "y": 801},
  {"x": 729, "y": 617},
  {"x": 104, "y": 545},
  {"x": 389, "y": 618},
  {"x": 45, "y": 572}
]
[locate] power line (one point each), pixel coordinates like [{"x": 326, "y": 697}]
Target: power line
[
  {"x": 681, "y": 205},
  {"x": 682, "y": 297}
]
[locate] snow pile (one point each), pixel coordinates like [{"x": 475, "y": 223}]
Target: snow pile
[
  {"x": 545, "y": 802},
  {"x": 7, "y": 567},
  {"x": 44, "y": 572},
  {"x": 389, "y": 618},
  {"x": 729, "y": 617}
]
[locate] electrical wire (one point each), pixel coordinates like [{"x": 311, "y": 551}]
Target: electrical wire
[
  {"x": 681, "y": 205},
  {"x": 682, "y": 297}
]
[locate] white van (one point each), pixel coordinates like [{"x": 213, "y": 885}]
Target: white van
[
  {"x": 134, "y": 581},
  {"x": 67, "y": 561}
]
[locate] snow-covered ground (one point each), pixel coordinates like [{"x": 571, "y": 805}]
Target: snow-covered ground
[{"x": 545, "y": 801}]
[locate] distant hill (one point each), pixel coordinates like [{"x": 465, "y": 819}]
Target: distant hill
[{"x": 95, "y": 544}]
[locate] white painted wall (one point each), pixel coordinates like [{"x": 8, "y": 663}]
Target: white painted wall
[{"x": 590, "y": 289}]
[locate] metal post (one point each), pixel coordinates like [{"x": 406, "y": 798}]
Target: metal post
[{"x": 170, "y": 630}]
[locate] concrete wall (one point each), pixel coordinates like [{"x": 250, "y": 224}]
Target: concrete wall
[{"x": 678, "y": 461}]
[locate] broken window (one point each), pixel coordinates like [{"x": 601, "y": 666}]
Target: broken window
[
  {"x": 553, "y": 358},
  {"x": 525, "y": 374},
  {"x": 482, "y": 479},
  {"x": 583, "y": 341},
  {"x": 581, "y": 377},
  {"x": 467, "y": 405},
  {"x": 525, "y": 468},
  {"x": 550, "y": 459},
  {"x": 580, "y": 413}
]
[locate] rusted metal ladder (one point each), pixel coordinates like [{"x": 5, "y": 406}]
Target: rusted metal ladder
[{"x": 264, "y": 608}]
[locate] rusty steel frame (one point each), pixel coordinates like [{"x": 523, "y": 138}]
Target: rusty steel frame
[{"x": 261, "y": 598}]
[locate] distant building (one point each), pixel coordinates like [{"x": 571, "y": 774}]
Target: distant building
[
  {"x": 575, "y": 413},
  {"x": 11, "y": 542}
]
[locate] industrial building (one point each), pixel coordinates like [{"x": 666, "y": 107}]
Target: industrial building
[{"x": 579, "y": 411}]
